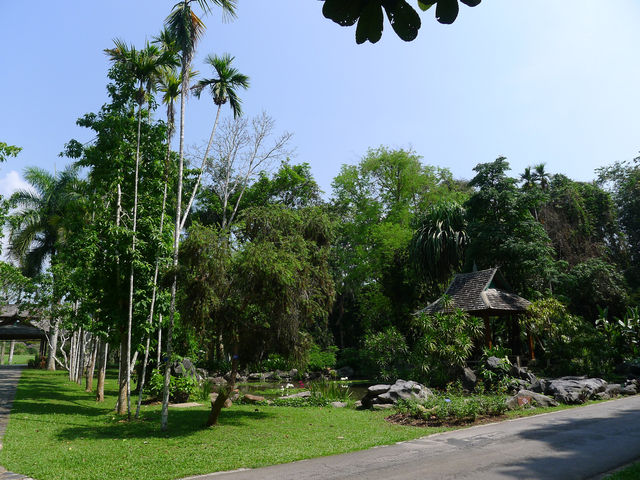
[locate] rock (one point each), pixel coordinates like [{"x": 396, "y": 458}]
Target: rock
[
  {"x": 494, "y": 363},
  {"x": 602, "y": 396},
  {"x": 382, "y": 406},
  {"x": 255, "y": 377},
  {"x": 305, "y": 394},
  {"x": 523, "y": 374},
  {"x": 613, "y": 389},
  {"x": 527, "y": 397},
  {"x": 253, "y": 398},
  {"x": 293, "y": 373},
  {"x": 630, "y": 389},
  {"x": 338, "y": 404},
  {"x": 391, "y": 394},
  {"x": 184, "y": 368},
  {"x": 539, "y": 386},
  {"x": 227, "y": 402},
  {"x": 358, "y": 404},
  {"x": 574, "y": 390},
  {"x": 468, "y": 379},
  {"x": 345, "y": 371},
  {"x": 218, "y": 380}
]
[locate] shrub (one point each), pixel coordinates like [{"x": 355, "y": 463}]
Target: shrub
[
  {"x": 385, "y": 355},
  {"x": 321, "y": 359},
  {"x": 455, "y": 408},
  {"x": 443, "y": 344},
  {"x": 180, "y": 388}
]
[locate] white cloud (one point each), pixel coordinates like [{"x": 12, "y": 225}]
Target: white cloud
[{"x": 11, "y": 182}]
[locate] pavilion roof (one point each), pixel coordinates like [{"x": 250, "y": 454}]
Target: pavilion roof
[{"x": 477, "y": 293}]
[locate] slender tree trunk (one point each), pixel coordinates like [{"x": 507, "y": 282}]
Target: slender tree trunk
[
  {"x": 72, "y": 355},
  {"x": 133, "y": 253},
  {"x": 102, "y": 371},
  {"x": 204, "y": 162},
  {"x": 11, "y": 348},
  {"x": 81, "y": 359},
  {"x": 92, "y": 365},
  {"x": 2, "y": 347},
  {"x": 53, "y": 345},
  {"x": 159, "y": 348},
  {"x": 176, "y": 247},
  {"x": 124, "y": 366},
  {"x": 226, "y": 392}
]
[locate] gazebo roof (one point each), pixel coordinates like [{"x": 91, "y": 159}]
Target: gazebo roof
[
  {"x": 477, "y": 294},
  {"x": 15, "y": 326}
]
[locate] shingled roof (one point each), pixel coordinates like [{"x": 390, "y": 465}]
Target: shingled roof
[
  {"x": 476, "y": 294},
  {"x": 15, "y": 326}
]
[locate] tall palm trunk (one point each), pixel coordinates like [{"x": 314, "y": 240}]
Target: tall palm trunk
[
  {"x": 155, "y": 273},
  {"x": 102, "y": 371},
  {"x": 204, "y": 162},
  {"x": 176, "y": 246},
  {"x": 133, "y": 253},
  {"x": 88, "y": 387}
]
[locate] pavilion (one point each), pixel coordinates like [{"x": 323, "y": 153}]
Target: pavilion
[{"x": 15, "y": 324}]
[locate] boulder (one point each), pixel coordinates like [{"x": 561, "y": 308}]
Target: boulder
[
  {"x": 539, "y": 386},
  {"x": 382, "y": 406},
  {"x": 391, "y": 394},
  {"x": 338, "y": 404},
  {"x": 184, "y": 368},
  {"x": 494, "y": 363},
  {"x": 629, "y": 389},
  {"x": 253, "y": 398},
  {"x": 574, "y": 390},
  {"x": 523, "y": 374},
  {"x": 305, "y": 394},
  {"x": 255, "y": 377},
  {"x": 468, "y": 379},
  {"x": 218, "y": 380},
  {"x": 527, "y": 397},
  {"x": 613, "y": 389}
]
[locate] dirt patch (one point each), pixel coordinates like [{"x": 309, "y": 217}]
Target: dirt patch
[{"x": 408, "y": 420}]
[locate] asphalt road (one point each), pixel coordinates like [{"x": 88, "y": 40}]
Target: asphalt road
[{"x": 581, "y": 443}]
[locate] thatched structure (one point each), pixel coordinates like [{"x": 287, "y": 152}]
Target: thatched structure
[
  {"x": 482, "y": 294},
  {"x": 15, "y": 324}
]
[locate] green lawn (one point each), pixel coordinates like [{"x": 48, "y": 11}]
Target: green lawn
[
  {"x": 630, "y": 473},
  {"x": 57, "y": 431},
  {"x": 18, "y": 359}
]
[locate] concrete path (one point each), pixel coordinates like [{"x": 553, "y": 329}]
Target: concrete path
[
  {"x": 579, "y": 444},
  {"x": 9, "y": 376}
]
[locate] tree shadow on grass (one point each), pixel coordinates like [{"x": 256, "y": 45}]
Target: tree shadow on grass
[
  {"x": 182, "y": 423},
  {"x": 582, "y": 447}
]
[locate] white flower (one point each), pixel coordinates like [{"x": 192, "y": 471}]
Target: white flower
[
  {"x": 344, "y": 378},
  {"x": 289, "y": 385}
]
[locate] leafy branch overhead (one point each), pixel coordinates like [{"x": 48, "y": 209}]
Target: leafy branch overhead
[{"x": 404, "y": 19}]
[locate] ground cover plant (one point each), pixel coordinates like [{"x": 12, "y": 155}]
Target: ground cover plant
[{"x": 77, "y": 438}]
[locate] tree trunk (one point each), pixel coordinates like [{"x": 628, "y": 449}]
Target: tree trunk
[
  {"x": 176, "y": 246},
  {"x": 2, "y": 352},
  {"x": 102, "y": 371},
  {"x": 11, "y": 348},
  {"x": 226, "y": 392},
  {"x": 53, "y": 345},
  {"x": 72, "y": 354},
  {"x": 124, "y": 367},
  {"x": 159, "y": 347},
  {"x": 81, "y": 358},
  {"x": 92, "y": 366}
]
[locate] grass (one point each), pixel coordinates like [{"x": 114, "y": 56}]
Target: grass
[
  {"x": 57, "y": 431},
  {"x": 630, "y": 473},
  {"x": 21, "y": 359}
]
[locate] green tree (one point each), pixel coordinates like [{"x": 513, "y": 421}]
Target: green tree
[
  {"x": 146, "y": 67},
  {"x": 7, "y": 151},
  {"x": 504, "y": 233},
  {"x": 263, "y": 292},
  {"x": 39, "y": 225},
  {"x": 187, "y": 29}
]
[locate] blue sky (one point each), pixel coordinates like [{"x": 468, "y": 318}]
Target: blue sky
[{"x": 543, "y": 81}]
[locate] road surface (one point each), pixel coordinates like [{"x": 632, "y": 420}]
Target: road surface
[{"x": 580, "y": 443}]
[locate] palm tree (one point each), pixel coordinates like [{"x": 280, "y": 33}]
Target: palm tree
[
  {"x": 145, "y": 66},
  {"x": 40, "y": 225},
  {"x": 169, "y": 85},
  {"x": 187, "y": 28},
  {"x": 223, "y": 90},
  {"x": 528, "y": 179},
  {"x": 439, "y": 244},
  {"x": 541, "y": 176}
]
